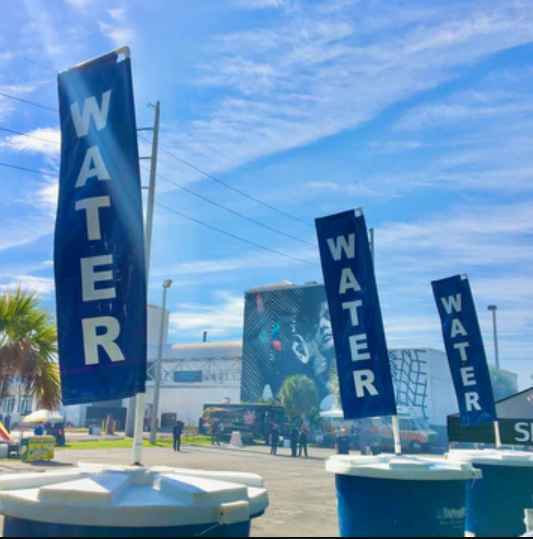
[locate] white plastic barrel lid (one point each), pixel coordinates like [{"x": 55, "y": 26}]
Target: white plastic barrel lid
[
  {"x": 492, "y": 457},
  {"x": 401, "y": 468},
  {"x": 133, "y": 497}
]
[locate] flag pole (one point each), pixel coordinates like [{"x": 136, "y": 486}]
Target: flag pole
[
  {"x": 395, "y": 419},
  {"x": 498, "y": 435},
  {"x": 397, "y": 435}
]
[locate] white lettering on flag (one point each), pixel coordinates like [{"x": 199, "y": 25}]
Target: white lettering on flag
[
  {"x": 349, "y": 282},
  {"x": 92, "y": 339},
  {"x": 91, "y": 207},
  {"x": 340, "y": 245},
  {"x": 91, "y": 109},
  {"x": 453, "y": 304},
  {"x": 93, "y": 165}
]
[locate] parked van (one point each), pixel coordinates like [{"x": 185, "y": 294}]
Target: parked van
[{"x": 375, "y": 434}]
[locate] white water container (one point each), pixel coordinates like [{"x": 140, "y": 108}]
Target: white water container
[{"x": 131, "y": 502}]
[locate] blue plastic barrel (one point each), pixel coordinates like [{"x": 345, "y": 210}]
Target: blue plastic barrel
[
  {"x": 496, "y": 504},
  {"x": 400, "y": 497},
  {"x": 131, "y": 502}
]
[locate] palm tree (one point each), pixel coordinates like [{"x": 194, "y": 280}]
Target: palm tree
[{"x": 28, "y": 348}]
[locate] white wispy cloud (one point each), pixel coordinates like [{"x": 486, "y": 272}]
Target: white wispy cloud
[
  {"x": 489, "y": 242},
  {"x": 301, "y": 79},
  {"x": 46, "y": 198},
  {"x": 259, "y": 4},
  {"x": 79, "y": 4},
  {"x": 221, "y": 319},
  {"x": 480, "y": 138},
  {"x": 7, "y": 106},
  {"x": 44, "y": 141},
  {"x": 41, "y": 285},
  {"x": 353, "y": 189},
  {"x": 20, "y": 232},
  {"x": 247, "y": 261},
  {"x": 117, "y": 29},
  {"x": 474, "y": 236},
  {"x": 56, "y": 38},
  {"x": 117, "y": 14}
]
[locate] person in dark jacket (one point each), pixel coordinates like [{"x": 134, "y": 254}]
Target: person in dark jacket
[
  {"x": 304, "y": 439},
  {"x": 275, "y": 441},
  {"x": 177, "y": 433},
  {"x": 7, "y": 422},
  {"x": 294, "y": 442},
  {"x": 215, "y": 434}
]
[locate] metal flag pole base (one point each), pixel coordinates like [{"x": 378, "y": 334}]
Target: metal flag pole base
[
  {"x": 138, "y": 437},
  {"x": 498, "y": 435},
  {"x": 397, "y": 436}
]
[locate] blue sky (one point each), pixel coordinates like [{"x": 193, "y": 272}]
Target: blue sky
[{"x": 418, "y": 111}]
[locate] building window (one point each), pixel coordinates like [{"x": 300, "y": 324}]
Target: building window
[
  {"x": 25, "y": 405},
  {"x": 8, "y": 405}
]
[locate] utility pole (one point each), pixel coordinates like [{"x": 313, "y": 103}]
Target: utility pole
[{"x": 136, "y": 405}]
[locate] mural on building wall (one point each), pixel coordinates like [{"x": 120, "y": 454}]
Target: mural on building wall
[
  {"x": 287, "y": 332},
  {"x": 410, "y": 377}
]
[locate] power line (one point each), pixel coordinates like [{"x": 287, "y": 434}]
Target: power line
[
  {"x": 193, "y": 219},
  {"x": 229, "y": 210},
  {"x": 235, "y": 237},
  {"x": 30, "y": 61},
  {"x": 228, "y": 186},
  {"x": 27, "y": 102},
  {"x": 27, "y": 135},
  {"x": 33, "y": 171},
  {"x": 238, "y": 163}
]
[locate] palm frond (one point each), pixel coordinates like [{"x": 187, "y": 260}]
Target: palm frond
[{"x": 28, "y": 347}]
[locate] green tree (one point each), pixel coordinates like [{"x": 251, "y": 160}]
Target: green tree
[
  {"x": 334, "y": 383},
  {"x": 271, "y": 402},
  {"x": 299, "y": 397},
  {"x": 28, "y": 348},
  {"x": 503, "y": 384}
]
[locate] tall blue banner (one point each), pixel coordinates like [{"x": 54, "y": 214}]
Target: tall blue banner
[
  {"x": 99, "y": 244},
  {"x": 466, "y": 352},
  {"x": 362, "y": 357}
]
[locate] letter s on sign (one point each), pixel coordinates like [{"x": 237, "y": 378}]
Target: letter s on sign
[{"x": 524, "y": 430}]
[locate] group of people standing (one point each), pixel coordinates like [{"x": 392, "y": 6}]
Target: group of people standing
[{"x": 299, "y": 442}]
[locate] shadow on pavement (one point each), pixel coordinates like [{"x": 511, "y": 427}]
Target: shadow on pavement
[{"x": 53, "y": 464}]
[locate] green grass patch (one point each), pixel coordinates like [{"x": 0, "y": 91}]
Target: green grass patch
[{"x": 128, "y": 443}]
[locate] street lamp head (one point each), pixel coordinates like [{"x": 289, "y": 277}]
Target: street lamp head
[
  {"x": 167, "y": 283},
  {"x": 492, "y": 308}
]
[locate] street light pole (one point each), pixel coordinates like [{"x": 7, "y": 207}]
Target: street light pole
[
  {"x": 494, "y": 309},
  {"x": 158, "y": 367}
]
